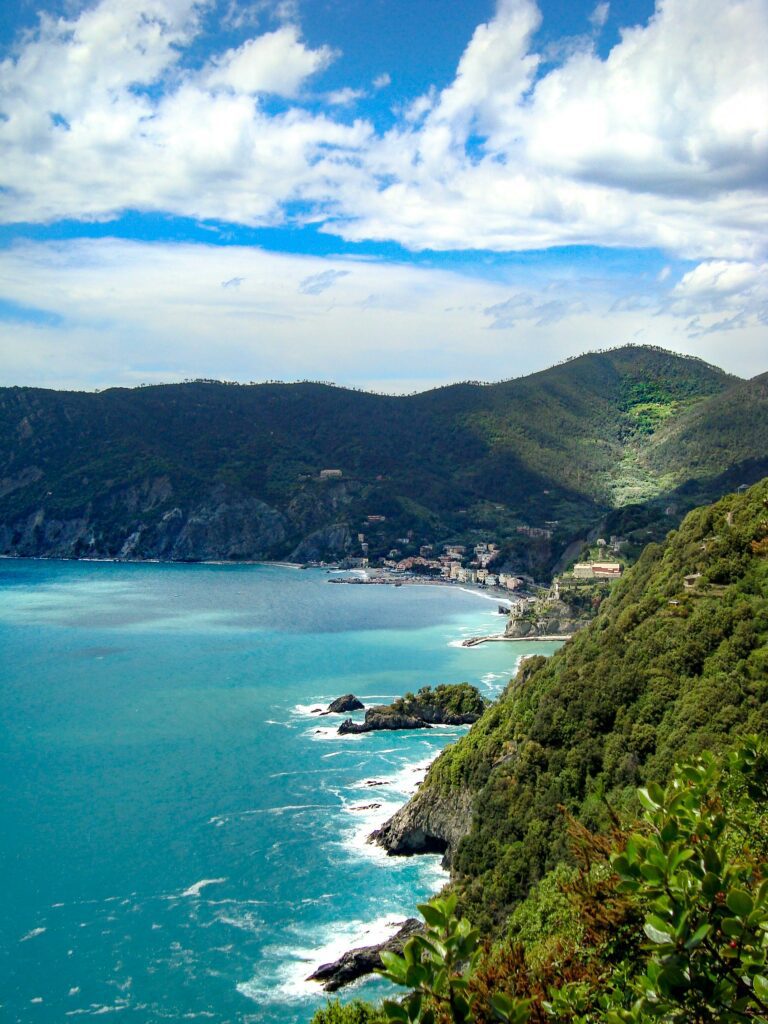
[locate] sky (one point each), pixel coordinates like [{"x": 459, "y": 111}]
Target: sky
[{"x": 385, "y": 194}]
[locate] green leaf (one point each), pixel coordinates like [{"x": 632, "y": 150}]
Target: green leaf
[
  {"x": 414, "y": 1005},
  {"x": 432, "y": 915},
  {"x": 711, "y": 884},
  {"x": 731, "y": 926},
  {"x": 656, "y": 935},
  {"x": 698, "y": 936},
  {"x": 395, "y": 965},
  {"x": 760, "y": 985},
  {"x": 395, "y": 1011},
  {"x": 656, "y": 793},
  {"x": 645, "y": 799},
  {"x": 739, "y": 902}
]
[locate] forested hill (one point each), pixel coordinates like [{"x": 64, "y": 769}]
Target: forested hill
[
  {"x": 210, "y": 470},
  {"x": 675, "y": 663}
]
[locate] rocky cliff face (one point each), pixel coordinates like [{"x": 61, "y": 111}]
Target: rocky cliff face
[
  {"x": 433, "y": 821},
  {"x": 149, "y": 520},
  {"x": 136, "y": 523},
  {"x": 548, "y": 618}
]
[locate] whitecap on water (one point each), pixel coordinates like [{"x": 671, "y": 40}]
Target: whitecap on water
[
  {"x": 194, "y": 890},
  {"x": 282, "y": 976},
  {"x": 32, "y": 934}
]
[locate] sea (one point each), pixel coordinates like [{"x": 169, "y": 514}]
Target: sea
[{"x": 182, "y": 834}]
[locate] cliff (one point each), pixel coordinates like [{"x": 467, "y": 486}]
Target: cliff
[
  {"x": 674, "y": 663},
  {"x": 435, "y": 820}
]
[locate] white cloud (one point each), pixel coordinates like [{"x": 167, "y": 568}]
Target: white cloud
[
  {"x": 276, "y": 62},
  {"x": 382, "y": 81},
  {"x": 315, "y": 284},
  {"x": 719, "y": 295},
  {"x": 663, "y": 143},
  {"x": 198, "y": 144},
  {"x": 344, "y": 97},
  {"x": 599, "y": 15},
  {"x": 120, "y": 312},
  {"x": 543, "y": 312}
]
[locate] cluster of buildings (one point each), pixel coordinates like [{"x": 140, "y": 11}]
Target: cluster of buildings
[{"x": 449, "y": 565}]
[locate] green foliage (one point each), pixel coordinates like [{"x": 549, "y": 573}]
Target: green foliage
[
  {"x": 437, "y": 967},
  {"x": 675, "y": 933},
  {"x": 452, "y": 698},
  {"x": 661, "y": 673},
  {"x": 356, "y": 1012},
  {"x": 706, "y": 893}
]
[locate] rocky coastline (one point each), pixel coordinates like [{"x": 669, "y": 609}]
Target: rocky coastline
[
  {"x": 446, "y": 704},
  {"x": 364, "y": 959}
]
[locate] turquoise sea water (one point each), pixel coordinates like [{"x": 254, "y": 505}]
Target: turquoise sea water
[{"x": 181, "y": 838}]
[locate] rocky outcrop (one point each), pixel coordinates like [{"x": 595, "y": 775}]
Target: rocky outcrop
[
  {"x": 364, "y": 960},
  {"x": 525, "y": 629},
  {"x": 133, "y": 527},
  {"x": 382, "y": 717},
  {"x": 446, "y": 704},
  {"x": 331, "y": 542},
  {"x": 433, "y": 821},
  {"x": 546, "y": 618},
  {"x": 348, "y": 702}
]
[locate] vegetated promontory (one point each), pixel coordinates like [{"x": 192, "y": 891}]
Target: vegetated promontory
[
  {"x": 206, "y": 470},
  {"x": 675, "y": 663},
  {"x": 446, "y": 704}
]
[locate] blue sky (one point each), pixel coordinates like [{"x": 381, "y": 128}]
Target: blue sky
[{"x": 386, "y": 194}]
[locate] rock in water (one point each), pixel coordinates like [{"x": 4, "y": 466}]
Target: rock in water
[
  {"x": 348, "y": 702},
  {"x": 382, "y": 717},
  {"x": 364, "y": 960}
]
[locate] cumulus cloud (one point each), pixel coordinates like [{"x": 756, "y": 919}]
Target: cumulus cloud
[
  {"x": 99, "y": 117},
  {"x": 662, "y": 143},
  {"x": 719, "y": 296},
  {"x": 276, "y": 62}
]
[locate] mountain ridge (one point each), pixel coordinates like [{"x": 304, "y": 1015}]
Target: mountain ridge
[{"x": 210, "y": 470}]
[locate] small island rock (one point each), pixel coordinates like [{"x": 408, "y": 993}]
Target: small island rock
[
  {"x": 446, "y": 704},
  {"x": 348, "y": 702}
]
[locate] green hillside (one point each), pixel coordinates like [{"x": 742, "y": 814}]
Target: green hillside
[
  {"x": 675, "y": 663},
  {"x": 207, "y": 469}
]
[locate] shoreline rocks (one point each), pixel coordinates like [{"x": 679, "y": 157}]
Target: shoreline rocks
[
  {"x": 349, "y": 702},
  {"x": 432, "y": 821},
  {"x": 363, "y": 960},
  {"x": 446, "y": 704},
  {"x": 382, "y": 717}
]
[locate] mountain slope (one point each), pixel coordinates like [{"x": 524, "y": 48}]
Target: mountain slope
[
  {"x": 675, "y": 663},
  {"x": 208, "y": 470}
]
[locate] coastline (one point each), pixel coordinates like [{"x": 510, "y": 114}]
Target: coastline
[
  {"x": 374, "y": 818},
  {"x": 475, "y": 641}
]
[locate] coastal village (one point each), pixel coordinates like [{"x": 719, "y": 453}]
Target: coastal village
[{"x": 533, "y": 611}]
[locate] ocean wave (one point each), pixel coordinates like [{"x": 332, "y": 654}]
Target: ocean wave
[
  {"x": 305, "y": 710},
  {"x": 223, "y": 819},
  {"x": 282, "y": 976},
  {"x": 194, "y": 890},
  {"x": 32, "y": 934}
]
